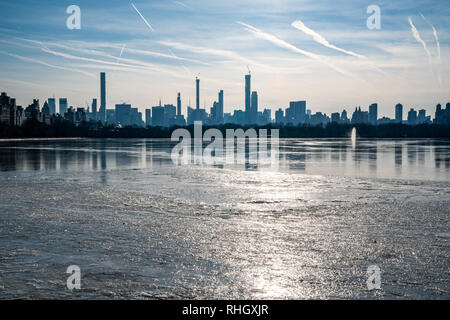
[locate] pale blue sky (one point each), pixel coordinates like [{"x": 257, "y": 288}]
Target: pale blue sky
[{"x": 40, "y": 57}]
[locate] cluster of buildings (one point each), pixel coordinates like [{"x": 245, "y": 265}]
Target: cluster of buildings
[
  {"x": 169, "y": 115},
  {"x": 371, "y": 116},
  {"x": 10, "y": 113}
]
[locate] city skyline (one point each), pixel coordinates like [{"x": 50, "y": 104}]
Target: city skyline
[
  {"x": 169, "y": 115},
  {"x": 280, "y": 43}
]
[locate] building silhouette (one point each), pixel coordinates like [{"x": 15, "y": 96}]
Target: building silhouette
[
  {"x": 158, "y": 116},
  {"x": 373, "y": 113},
  {"x": 52, "y": 105},
  {"x": 123, "y": 114},
  {"x": 197, "y": 93},
  {"x": 247, "y": 97},
  {"x": 336, "y": 117},
  {"x": 102, "y": 113},
  {"x": 344, "y": 117},
  {"x": 296, "y": 113},
  {"x": 254, "y": 108},
  {"x": 148, "y": 117},
  {"x": 279, "y": 116},
  {"x": 219, "y": 114},
  {"x": 360, "y": 117},
  {"x": 10, "y": 113},
  {"x": 170, "y": 115},
  {"x": 46, "y": 109},
  {"x": 412, "y": 117},
  {"x": 442, "y": 116},
  {"x": 398, "y": 113},
  {"x": 62, "y": 106},
  {"x": 179, "y": 104},
  {"x": 94, "y": 109}
]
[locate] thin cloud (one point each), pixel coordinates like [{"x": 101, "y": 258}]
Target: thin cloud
[
  {"x": 283, "y": 44},
  {"x": 182, "y": 4},
  {"x": 215, "y": 52},
  {"x": 70, "y": 56},
  {"x": 129, "y": 63},
  {"x": 32, "y": 60},
  {"x": 188, "y": 71},
  {"x": 143, "y": 18},
  {"x": 109, "y": 45},
  {"x": 298, "y": 24},
  {"x": 163, "y": 55},
  {"x": 22, "y": 82},
  {"x": 125, "y": 64}
]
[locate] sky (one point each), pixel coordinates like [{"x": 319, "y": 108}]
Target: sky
[{"x": 319, "y": 51}]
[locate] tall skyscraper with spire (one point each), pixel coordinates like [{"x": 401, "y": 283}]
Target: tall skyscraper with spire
[
  {"x": 179, "y": 104},
  {"x": 247, "y": 97},
  {"x": 102, "y": 113}
]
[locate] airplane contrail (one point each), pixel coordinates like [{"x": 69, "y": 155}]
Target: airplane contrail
[
  {"x": 298, "y": 24},
  {"x": 438, "y": 48},
  {"x": 419, "y": 39},
  {"x": 145, "y": 20},
  {"x": 121, "y": 51},
  {"x": 417, "y": 36},
  {"x": 283, "y": 44},
  {"x": 436, "y": 38}
]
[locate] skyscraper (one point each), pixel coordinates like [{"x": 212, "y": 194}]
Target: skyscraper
[
  {"x": 296, "y": 113},
  {"x": 373, "y": 113},
  {"x": 398, "y": 113},
  {"x": 148, "y": 117},
  {"x": 254, "y": 108},
  {"x": 94, "y": 109},
  {"x": 179, "y": 104},
  {"x": 344, "y": 117},
  {"x": 62, "y": 106},
  {"x": 52, "y": 105},
  {"x": 247, "y": 97},
  {"x": 170, "y": 112},
  {"x": 220, "y": 108},
  {"x": 421, "y": 118},
  {"x": 197, "y": 86},
  {"x": 412, "y": 117},
  {"x": 158, "y": 116},
  {"x": 336, "y": 117},
  {"x": 102, "y": 114},
  {"x": 279, "y": 116},
  {"x": 123, "y": 114},
  {"x": 267, "y": 116}
]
